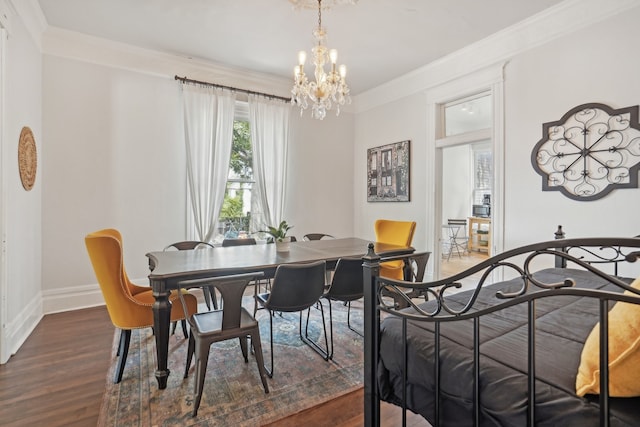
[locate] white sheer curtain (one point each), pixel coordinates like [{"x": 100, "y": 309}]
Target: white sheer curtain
[
  {"x": 269, "y": 123},
  {"x": 208, "y": 131}
]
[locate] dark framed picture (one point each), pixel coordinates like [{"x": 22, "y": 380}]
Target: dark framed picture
[{"x": 388, "y": 173}]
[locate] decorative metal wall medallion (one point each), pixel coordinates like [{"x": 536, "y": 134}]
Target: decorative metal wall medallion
[
  {"x": 592, "y": 150},
  {"x": 27, "y": 158}
]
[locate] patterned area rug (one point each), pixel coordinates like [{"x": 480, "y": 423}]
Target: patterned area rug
[{"x": 233, "y": 393}]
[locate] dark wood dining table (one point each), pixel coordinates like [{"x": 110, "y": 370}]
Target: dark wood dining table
[{"x": 170, "y": 268}]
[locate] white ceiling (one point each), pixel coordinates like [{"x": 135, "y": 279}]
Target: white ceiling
[{"x": 378, "y": 40}]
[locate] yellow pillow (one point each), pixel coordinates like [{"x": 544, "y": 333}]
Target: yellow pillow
[{"x": 624, "y": 353}]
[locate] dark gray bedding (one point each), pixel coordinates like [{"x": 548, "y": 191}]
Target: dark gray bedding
[{"x": 563, "y": 324}]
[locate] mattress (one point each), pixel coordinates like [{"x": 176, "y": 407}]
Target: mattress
[{"x": 562, "y": 325}]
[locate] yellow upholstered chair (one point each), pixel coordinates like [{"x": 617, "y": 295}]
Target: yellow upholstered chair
[
  {"x": 129, "y": 305},
  {"x": 394, "y": 233}
]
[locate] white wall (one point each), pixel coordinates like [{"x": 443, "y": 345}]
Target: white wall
[
  {"x": 115, "y": 158},
  {"x": 22, "y": 107},
  {"x": 321, "y": 163},
  {"x": 393, "y": 122},
  {"x": 457, "y": 182},
  {"x": 594, "y": 64}
]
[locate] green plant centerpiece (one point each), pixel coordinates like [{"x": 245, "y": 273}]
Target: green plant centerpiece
[{"x": 279, "y": 235}]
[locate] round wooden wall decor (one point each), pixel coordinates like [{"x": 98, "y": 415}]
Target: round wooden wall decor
[{"x": 27, "y": 158}]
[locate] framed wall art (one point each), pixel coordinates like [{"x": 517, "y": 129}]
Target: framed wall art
[
  {"x": 388, "y": 173},
  {"x": 592, "y": 150}
]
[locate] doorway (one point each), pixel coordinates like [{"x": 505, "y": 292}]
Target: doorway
[
  {"x": 465, "y": 193},
  {"x": 466, "y": 206}
]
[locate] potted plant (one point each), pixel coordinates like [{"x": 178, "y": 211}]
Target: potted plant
[{"x": 279, "y": 236}]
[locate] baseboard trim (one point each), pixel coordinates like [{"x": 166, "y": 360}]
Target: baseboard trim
[
  {"x": 71, "y": 298},
  {"x": 19, "y": 328}
]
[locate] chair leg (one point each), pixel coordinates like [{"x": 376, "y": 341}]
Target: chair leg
[
  {"x": 119, "y": 344},
  {"x": 207, "y": 297},
  {"x": 270, "y": 370},
  {"x": 451, "y": 247},
  {"x": 257, "y": 349},
  {"x": 255, "y": 301},
  {"x": 202, "y": 358},
  {"x": 330, "y": 329},
  {"x": 183, "y": 323},
  {"x": 305, "y": 338},
  {"x": 256, "y": 291},
  {"x": 214, "y": 300},
  {"x": 123, "y": 351},
  {"x": 458, "y": 250},
  {"x": 190, "y": 350},
  {"x": 243, "y": 347},
  {"x": 349, "y": 321}
]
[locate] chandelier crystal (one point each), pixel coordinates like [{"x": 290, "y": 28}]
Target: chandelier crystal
[{"x": 329, "y": 88}]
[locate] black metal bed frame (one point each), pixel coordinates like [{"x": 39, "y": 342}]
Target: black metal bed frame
[{"x": 587, "y": 253}]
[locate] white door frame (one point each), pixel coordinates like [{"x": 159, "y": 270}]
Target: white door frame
[
  {"x": 4, "y": 347},
  {"x": 490, "y": 79}
]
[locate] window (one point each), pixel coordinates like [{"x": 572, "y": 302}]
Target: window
[
  {"x": 482, "y": 173},
  {"x": 468, "y": 114},
  {"x": 236, "y": 209}
]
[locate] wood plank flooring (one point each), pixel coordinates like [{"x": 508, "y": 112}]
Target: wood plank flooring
[{"x": 57, "y": 377}]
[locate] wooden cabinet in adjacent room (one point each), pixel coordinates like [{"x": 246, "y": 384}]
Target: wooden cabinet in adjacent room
[{"x": 480, "y": 234}]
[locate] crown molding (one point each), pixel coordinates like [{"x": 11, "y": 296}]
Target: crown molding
[
  {"x": 81, "y": 47},
  {"x": 6, "y": 14},
  {"x": 32, "y": 17},
  {"x": 557, "y": 21}
]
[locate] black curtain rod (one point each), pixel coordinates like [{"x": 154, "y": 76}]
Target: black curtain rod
[{"x": 250, "y": 92}]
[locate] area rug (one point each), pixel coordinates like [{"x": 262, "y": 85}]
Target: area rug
[{"x": 233, "y": 393}]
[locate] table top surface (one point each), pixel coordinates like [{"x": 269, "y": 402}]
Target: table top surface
[{"x": 168, "y": 266}]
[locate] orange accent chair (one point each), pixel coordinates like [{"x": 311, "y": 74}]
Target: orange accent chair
[
  {"x": 394, "y": 233},
  {"x": 129, "y": 305}
]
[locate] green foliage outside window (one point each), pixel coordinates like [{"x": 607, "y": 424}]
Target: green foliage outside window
[
  {"x": 241, "y": 153},
  {"x": 241, "y": 168},
  {"x": 231, "y": 207}
]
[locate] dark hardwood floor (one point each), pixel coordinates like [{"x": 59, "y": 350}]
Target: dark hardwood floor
[
  {"x": 57, "y": 379},
  {"x": 58, "y": 375}
]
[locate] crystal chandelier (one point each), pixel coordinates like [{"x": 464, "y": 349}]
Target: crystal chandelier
[{"x": 328, "y": 88}]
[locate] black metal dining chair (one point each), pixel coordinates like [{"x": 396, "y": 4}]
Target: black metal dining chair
[
  {"x": 458, "y": 237},
  {"x": 247, "y": 241},
  {"x": 347, "y": 285},
  {"x": 317, "y": 236},
  {"x": 238, "y": 242},
  {"x": 415, "y": 267},
  {"x": 232, "y": 321},
  {"x": 185, "y": 245},
  {"x": 296, "y": 288}
]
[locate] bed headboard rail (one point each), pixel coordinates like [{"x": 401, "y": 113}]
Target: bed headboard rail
[
  {"x": 612, "y": 255},
  {"x": 587, "y": 253}
]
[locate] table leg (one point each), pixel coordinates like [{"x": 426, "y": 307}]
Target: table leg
[{"x": 161, "y": 320}]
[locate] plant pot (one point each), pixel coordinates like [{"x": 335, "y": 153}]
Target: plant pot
[{"x": 283, "y": 245}]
